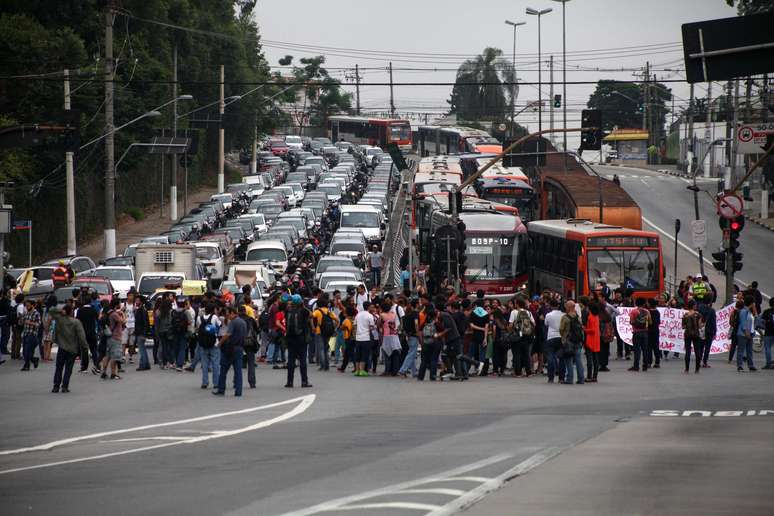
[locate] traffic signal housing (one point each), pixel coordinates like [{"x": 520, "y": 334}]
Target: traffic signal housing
[
  {"x": 591, "y": 136},
  {"x": 735, "y": 227},
  {"x": 557, "y": 101},
  {"x": 719, "y": 261}
]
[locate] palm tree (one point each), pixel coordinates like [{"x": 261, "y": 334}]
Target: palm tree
[{"x": 480, "y": 91}]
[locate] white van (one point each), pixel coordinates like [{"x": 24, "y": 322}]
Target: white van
[
  {"x": 212, "y": 257},
  {"x": 272, "y": 252},
  {"x": 367, "y": 219}
]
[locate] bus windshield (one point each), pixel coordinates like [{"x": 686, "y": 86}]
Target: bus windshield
[
  {"x": 635, "y": 269},
  {"x": 400, "y": 132},
  {"x": 491, "y": 257}
]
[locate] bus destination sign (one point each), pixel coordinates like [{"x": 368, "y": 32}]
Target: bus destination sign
[{"x": 622, "y": 241}]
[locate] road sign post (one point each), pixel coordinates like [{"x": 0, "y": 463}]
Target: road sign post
[
  {"x": 699, "y": 234},
  {"x": 677, "y": 232}
]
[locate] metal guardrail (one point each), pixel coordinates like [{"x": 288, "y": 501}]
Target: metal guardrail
[{"x": 396, "y": 239}]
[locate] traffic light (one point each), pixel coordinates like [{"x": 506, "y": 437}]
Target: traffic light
[
  {"x": 591, "y": 139},
  {"x": 719, "y": 261},
  {"x": 735, "y": 227},
  {"x": 557, "y": 101}
]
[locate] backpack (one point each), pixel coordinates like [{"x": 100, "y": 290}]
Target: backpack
[
  {"x": 575, "y": 337},
  {"x": 179, "y": 322},
  {"x": 295, "y": 328},
  {"x": 327, "y": 326},
  {"x": 207, "y": 332},
  {"x": 525, "y": 323},
  {"x": 250, "y": 343},
  {"x": 263, "y": 319},
  {"x": 641, "y": 320},
  {"x": 428, "y": 330},
  {"x": 691, "y": 325}
]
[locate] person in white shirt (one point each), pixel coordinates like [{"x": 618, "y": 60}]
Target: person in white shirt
[
  {"x": 364, "y": 325},
  {"x": 361, "y": 298},
  {"x": 553, "y": 338}
]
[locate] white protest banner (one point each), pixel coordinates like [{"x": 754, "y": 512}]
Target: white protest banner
[{"x": 671, "y": 329}]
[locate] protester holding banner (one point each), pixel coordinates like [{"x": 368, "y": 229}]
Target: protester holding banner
[{"x": 693, "y": 326}]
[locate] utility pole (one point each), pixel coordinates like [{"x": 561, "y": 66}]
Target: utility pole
[
  {"x": 392, "y": 97},
  {"x": 734, "y": 145},
  {"x": 689, "y": 154},
  {"x": 551, "y": 96},
  {"x": 69, "y": 179},
  {"x": 254, "y": 154},
  {"x": 708, "y": 132},
  {"x": 173, "y": 188},
  {"x": 727, "y": 177},
  {"x": 357, "y": 89},
  {"x": 110, "y": 172},
  {"x": 646, "y": 78},
  {"x": 221, "y": 132}
]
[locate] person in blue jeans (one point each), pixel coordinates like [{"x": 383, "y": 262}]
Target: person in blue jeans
[
  {"x": 208, "y": 353},
  {"x": 744, "y": 335},
  {"x": 571, "y": 330},
  {"x": 142, "y": 331},
  {"x": 768, "y": 333},
  {"x": 231, "y": 350},
  {"x": 31, "y": 323},
  {"x": 410, "y": 323}
]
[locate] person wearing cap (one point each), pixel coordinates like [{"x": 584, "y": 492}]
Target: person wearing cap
[
  {"x": 298, "y": 330},
  {"x": 700, "y": 290}
]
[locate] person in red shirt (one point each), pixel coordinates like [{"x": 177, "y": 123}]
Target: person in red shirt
[
  {"x": 279, "y": 331},
  {"x": 592, "y": 345}
]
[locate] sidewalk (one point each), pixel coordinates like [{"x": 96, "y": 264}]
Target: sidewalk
[{"x": 129, "y": 231}]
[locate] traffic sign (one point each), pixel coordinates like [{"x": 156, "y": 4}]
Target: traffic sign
[
  {"x": 730, "y": 206},
  {"x": 754, "y": 138},
  {"x": 699, "y": 234}
]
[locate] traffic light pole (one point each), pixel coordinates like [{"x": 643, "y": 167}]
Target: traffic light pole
[{"x": 729, "y": 266}]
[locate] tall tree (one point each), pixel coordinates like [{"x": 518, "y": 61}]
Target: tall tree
[
  {"x": 481, "y": 90},
  {"x": 744, "y": 7},
  {"x": 622, "y": 103}
]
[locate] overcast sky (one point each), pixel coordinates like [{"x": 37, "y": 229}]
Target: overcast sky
[{"x": 452, "y": 29}]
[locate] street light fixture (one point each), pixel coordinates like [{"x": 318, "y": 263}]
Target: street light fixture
[
  {"x": 539, "y": 13},
  {"x": 513, "y": 79}
]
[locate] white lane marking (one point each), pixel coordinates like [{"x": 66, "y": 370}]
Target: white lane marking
[
  {"x": 304, "y": 402},
  {"x": 156, "y": 438},
  {"x": 465, "y": 479},
  {"x": 335, "y": 504},
  {"x": 496, "y": 483},
  {"x": 389, "y": 505},
  {"x": 435, "y": 490},
  {"x": 644, "y": 182},
  {"x": 692, "y": 252},
  {"x": 48, "y": 446}
]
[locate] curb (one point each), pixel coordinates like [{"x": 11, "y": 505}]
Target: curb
[{"x": 760, "y": 222}]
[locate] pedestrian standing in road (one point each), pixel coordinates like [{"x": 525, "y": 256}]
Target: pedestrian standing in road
[
  {"x": 347, "y": 329},
  {"x": 654, "y": 334},
  {"x": 639, "y": 318},
  {"x": 708, "y": 331},
  {"x": 523, "y": 327},
  {"x": 390, "y": 345},
  {"x": 410, "y": 325},
  {"x": 571, "y": 331},
  {"x": 129, "y": 346},
  {"x": 17, "y": 325},
  {"x": 113, "y": 349},
  {"x": 553, "y": 346},
  {"x": 89, "y": 321},
  {"x": 430, "y": 346},
  {"x": 163, "y": 326},
  {"x": 744, "y": 335},
  {"x": 49, "y": 327},
  {"x": 250, "y": 343},
  {"x": 231, "y": 346},
  {"x": 30, "y": 324},
  {"x": 207, "y": 336},
  {"x": 299, "y": 330},
  {"x": 364, "y": 323},
  {"x": 616, "y": 180},
  {"x": 180, "y": 334},
  {"x": 375, "y": 260},
  {"x": 768, "y": 333},
  {"x": 733, "y": 322},
  {"x": 607, "y": 317},
  {"x": 692, "y": 323},
  {"x": 592, "y": 330},
  {"x": 478, "y": 322},
  {"x": 325, "y": 323},
  {"x": 71, "y": 340},
  {"x": 142, "y": 332}
]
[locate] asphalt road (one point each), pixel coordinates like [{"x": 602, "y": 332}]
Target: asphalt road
[
  {"x": 155, "y": 443},
  {"x": 664, "y": 198}
]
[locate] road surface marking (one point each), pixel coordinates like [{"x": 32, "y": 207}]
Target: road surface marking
[
  {"x": 303, "y": 403},
  {"x": 694, "y": 253},
  {"x": 332, "y": 505},
  {"x": 462, "y": 500}
]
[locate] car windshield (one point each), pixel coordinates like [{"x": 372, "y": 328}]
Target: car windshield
[
  {"x": 100, "y": 287},
  {"x": 324, "y": 265},
  {"x": 346, "y": 247},
  {"x": 634, "y": 269},
  {"x": 258, "y": 219},
  {"x": 292, "y": 139},
  {"x": 206, "y": 253},
  {"x": 491, "y": 257},
  {"x": 150, "y": 284},
  {"x": 115, "y": 274},
  {"x": 267, "y": 254},
  {"x": 324, "y": 281},
  {"x": 373, "y": 152},
  {"x": 297, "y": 223},
  {"x": 330, "y": 189},
  {"x": 359, "y": 219},
  {"x": 269, "y": 210}
]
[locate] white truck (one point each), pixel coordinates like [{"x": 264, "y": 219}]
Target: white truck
[{"x": 154, "y": 264}]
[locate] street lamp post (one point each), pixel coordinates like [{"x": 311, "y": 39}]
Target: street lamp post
[
  {"x": 564, "y": 73},
  {"x": 539, "y": 14},
  {"x": 513, "y": 79}
]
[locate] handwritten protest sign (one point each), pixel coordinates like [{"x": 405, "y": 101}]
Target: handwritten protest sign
[{"x": 671, "y": 329}]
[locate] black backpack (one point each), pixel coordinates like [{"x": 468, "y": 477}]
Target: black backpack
[
  {"x": 295, "y": 328},
  {"x": 263, "y": 319},
  {"x": 207, "y": 332},
  {"x": 179, "y": 322},
  {"x": 251, "y": 343},
  {"x": 576, "y": 335},
  {"x": 327, "y": 326}
]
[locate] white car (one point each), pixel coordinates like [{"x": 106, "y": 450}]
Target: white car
[
  {"x": 226, "y": 198},
  {"x": 294, "y": 142},
  {"x": 120, "y": 276}
]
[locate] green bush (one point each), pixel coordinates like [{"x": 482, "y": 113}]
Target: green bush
[{"x": 135, "y": 213}]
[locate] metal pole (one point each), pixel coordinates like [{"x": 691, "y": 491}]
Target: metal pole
[
  {"x": 708, "y": 133},
  {"x": 357, "y": 89},
  {"x": 727, "y": 179},
  {"x": 540, "y": 81},
  {"x": 69, "y": 179},
  {"x": 645, "y": 78},
  {"x": 551, "y": 96},
  {"x": 185, "y": 185},
  {"x": 173, "y": 188},
  {"x": 513, "y": 85},
  {"x": 564, "y": 80},
  {"x": 161, "y": 157},
  {"x": 735, "y": 144},
  {"x": 392, "y": 98},
  {"x": 110, "y": 177},
  {"x": 221, "y": 134},
  {"x": 689, "y": 168}
]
